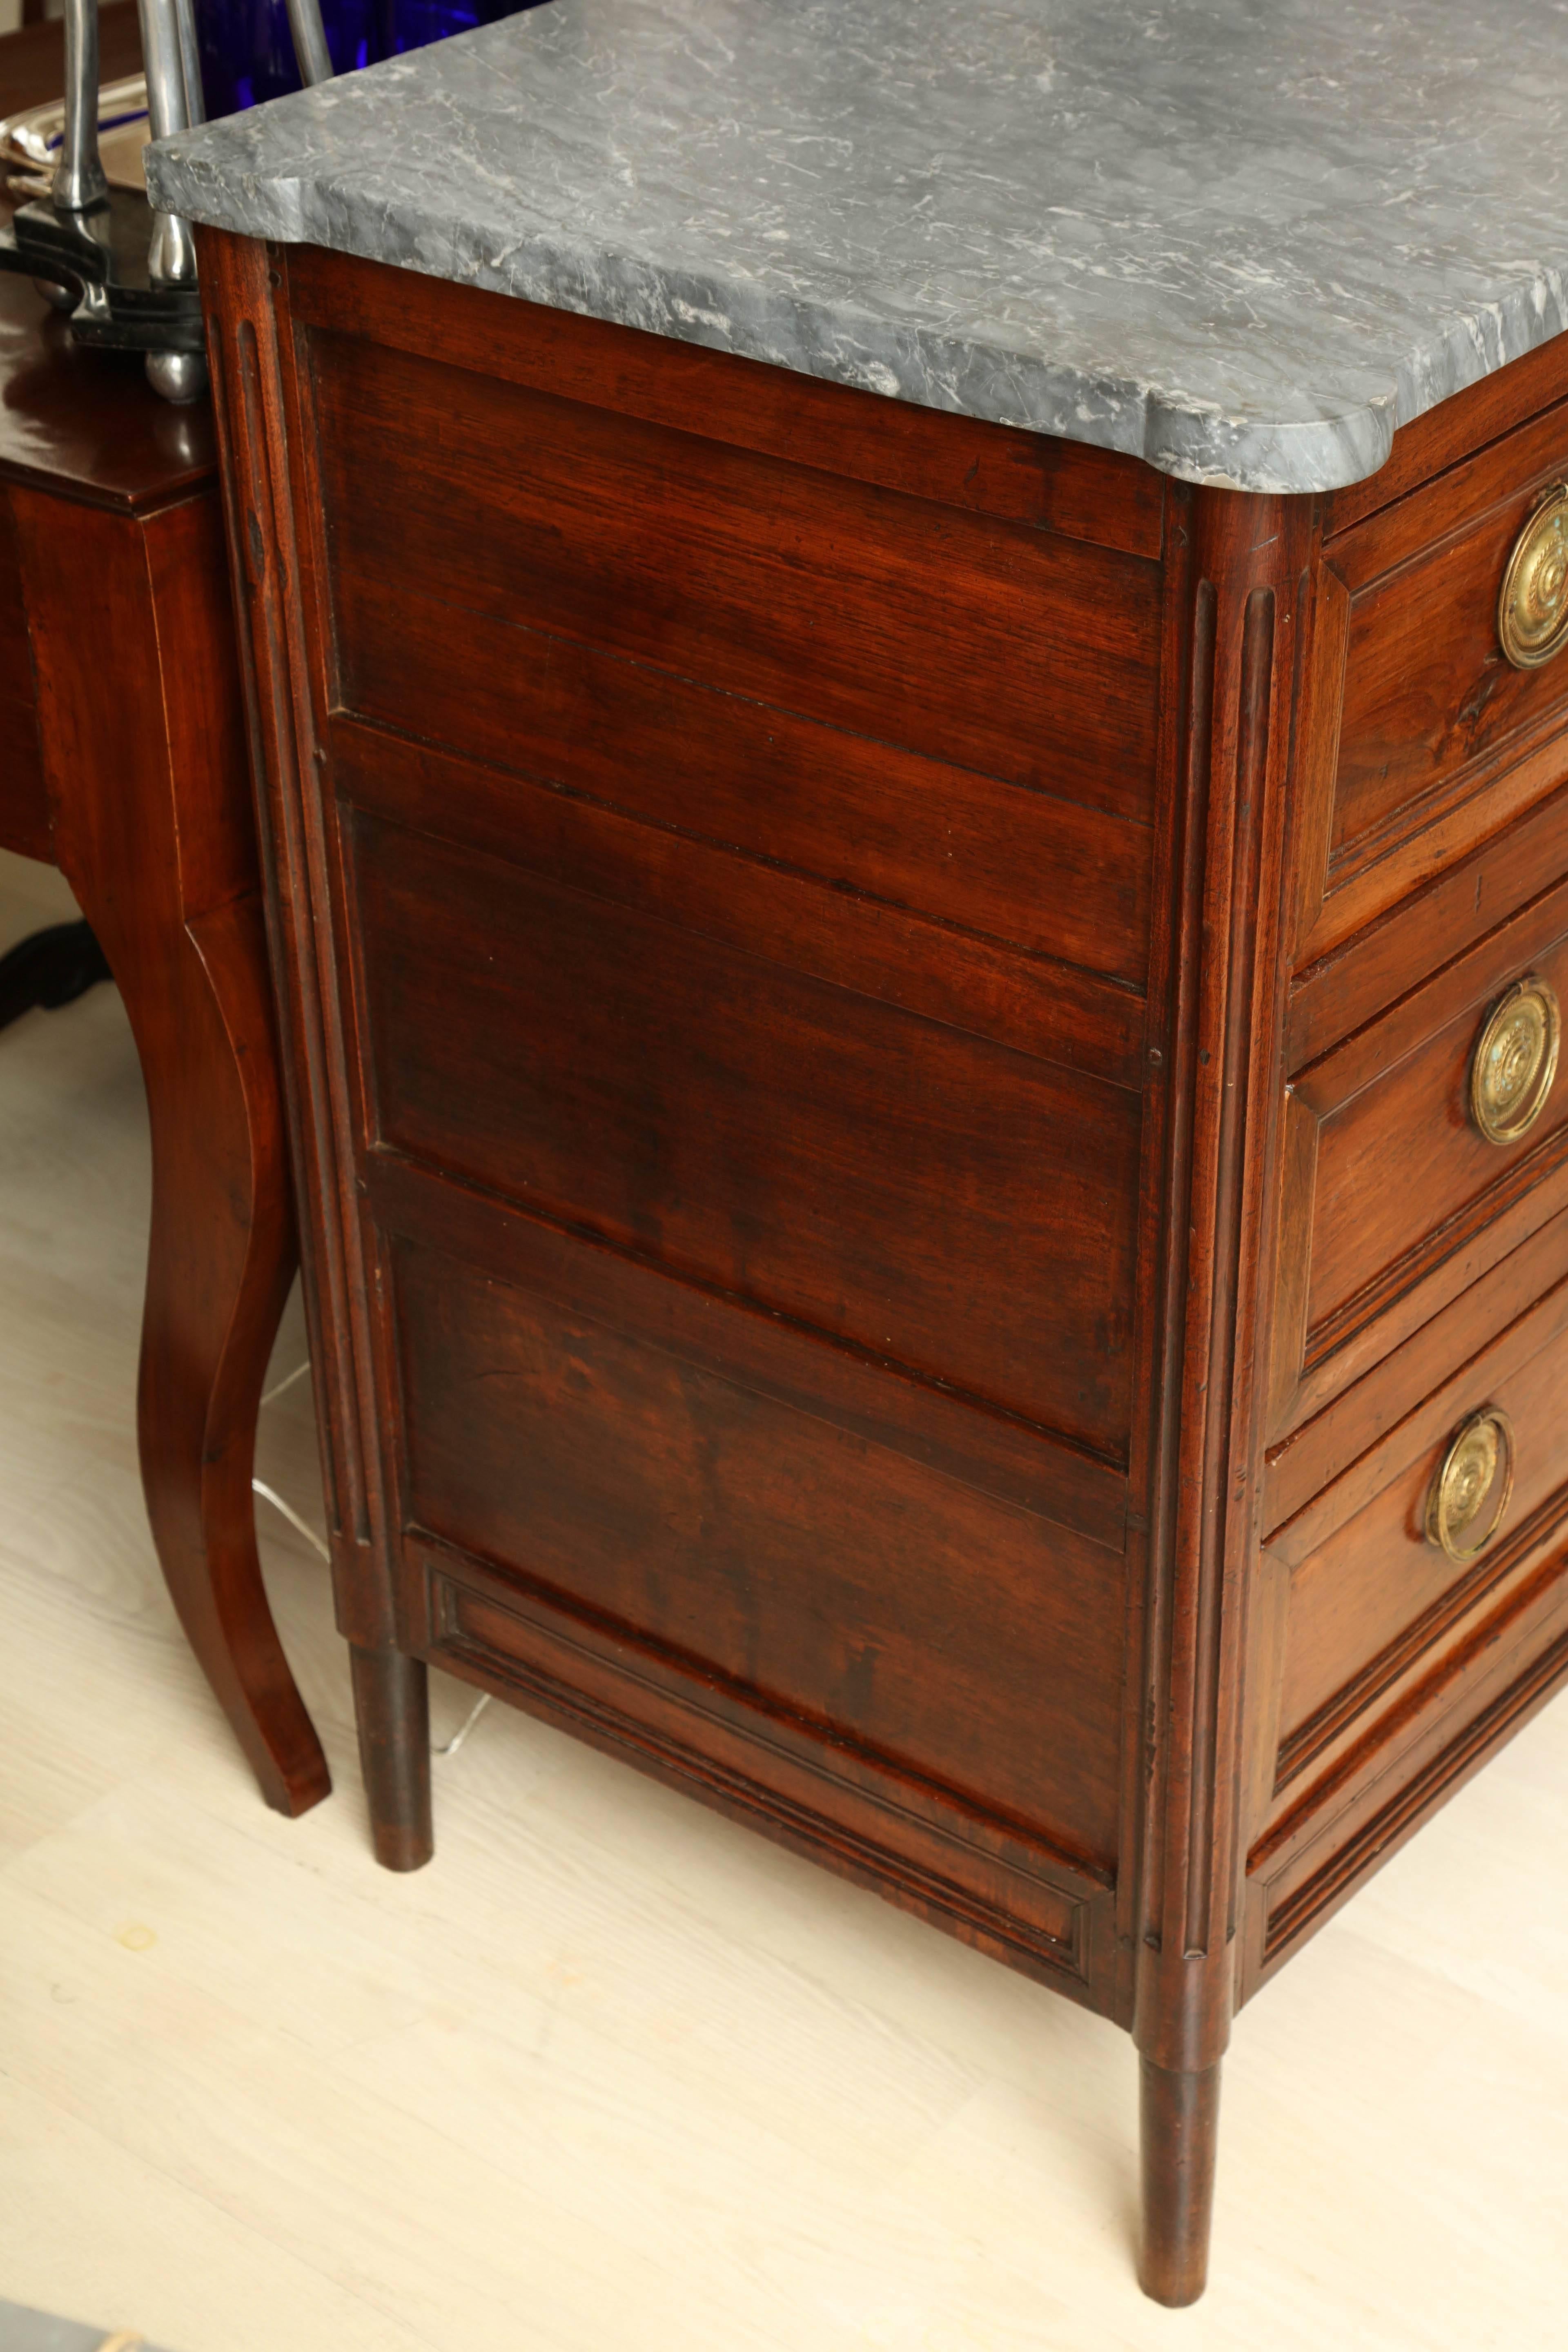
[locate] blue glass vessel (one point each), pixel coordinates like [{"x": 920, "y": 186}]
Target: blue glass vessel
[
  {"x": 247, "y": 55},
  {"x": 410, "y": 23}
]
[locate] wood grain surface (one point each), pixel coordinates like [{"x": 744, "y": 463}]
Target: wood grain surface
[
  {"x": 613, "y": 2061},
  {"x": 706, "y": 1136},
  {"x": 949, "y": 634}
]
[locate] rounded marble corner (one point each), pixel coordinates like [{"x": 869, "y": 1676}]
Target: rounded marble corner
[{"x": 1285, "y": 457}]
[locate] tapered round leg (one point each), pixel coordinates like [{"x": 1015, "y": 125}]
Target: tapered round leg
[
  {"x": 392, "y": 1705},
  {"x": 1180, "y": 2129}
]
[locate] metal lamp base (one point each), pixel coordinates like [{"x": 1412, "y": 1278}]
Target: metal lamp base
[
  {"x": 126, "y": 275},
  {"x": 98, "y": 261}
]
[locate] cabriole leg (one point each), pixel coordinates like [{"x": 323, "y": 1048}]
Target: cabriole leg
[
  {"x": 143, "y": 747},
  {"x": 220, "y": 1261}
]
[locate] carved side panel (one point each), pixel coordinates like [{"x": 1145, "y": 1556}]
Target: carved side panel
[
  {"x": 258, "y": 421},
  {"x": 1226, "y": 863}
]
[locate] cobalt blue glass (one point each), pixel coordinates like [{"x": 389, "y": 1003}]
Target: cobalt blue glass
[
  {"x": 248, "y": 51},
  {"x": 247, "y": 54},
  {"x": 409, "y": 24}
]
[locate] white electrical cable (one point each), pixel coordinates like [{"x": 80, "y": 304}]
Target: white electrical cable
[
  {"x": 293, "y": 1516},
  {"x": 258, "y": 1487},
  {"x": 298, "y": 1373},
  {"x": 458, "y": 1737}
]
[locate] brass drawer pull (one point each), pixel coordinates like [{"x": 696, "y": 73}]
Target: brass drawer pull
[
  {"x": 1532, "y": 604},
  {"x": 1515, "y": 1061},
  {"x": 1479, "y": 1453}
]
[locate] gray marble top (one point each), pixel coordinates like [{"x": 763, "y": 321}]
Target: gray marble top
[{"x": 1242, "y": 238}]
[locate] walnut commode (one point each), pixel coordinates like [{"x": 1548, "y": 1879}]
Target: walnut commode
[{"x": 925, "y": 1089}]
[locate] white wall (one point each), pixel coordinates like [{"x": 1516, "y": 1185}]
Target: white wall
[{"x": 10, "y": 15}]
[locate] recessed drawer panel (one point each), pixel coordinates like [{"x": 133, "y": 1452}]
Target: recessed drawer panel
[
  {"x": 1397, "y": 1557},
  {"x": 952, "y": 711},
  {"x": 1418, "y": 1152},
  {"x": 646, "y": 1488},
  {"x": 1025, "y": 868},
  {"x": 1374, "y": 1795},
  {"x": 996, "y": 645},
  {"x": 1441, "y": 737},
  {"x": 1440, "y": 922},
  {"x": 934, "y": 1199},
  {"x": 1312, "y": 1457}
]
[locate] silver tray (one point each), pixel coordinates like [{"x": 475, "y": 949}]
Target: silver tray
[{"x": 30, "y": 143}]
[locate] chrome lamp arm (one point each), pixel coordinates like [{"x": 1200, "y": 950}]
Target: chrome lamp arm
[
  {"x": 310, "y": 49},
  {"x": 80, "y": 183},
  {"x": 174, "y": 104},
  {"x": 128, "y": 280}
]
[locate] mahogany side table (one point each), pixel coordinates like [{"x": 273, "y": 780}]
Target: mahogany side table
[{"x": 124, "y": 763}]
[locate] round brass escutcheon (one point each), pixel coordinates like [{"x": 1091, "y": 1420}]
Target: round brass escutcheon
[
  {"x": 1514, "y": 1064},
  {"x": 1532, "y": 604},
  {"x": 1476, "y": 1471}
]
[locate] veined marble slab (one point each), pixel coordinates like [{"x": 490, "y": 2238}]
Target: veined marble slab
[{"x": 1241, "y": 238}]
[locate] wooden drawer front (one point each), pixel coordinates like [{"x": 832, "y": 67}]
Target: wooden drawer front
[
  {"x": 1439, "y": 741},
  {"x": 948, "y": 710},
  {"x": 23, "y": 802},
  {"x": 1414, "y": 1758},
  {"x": 921, "y": 1193},
  {"x": 1437, "y": 924},
  {"x": 961, "y": 1639},
  {"x": 1312, "y": 1457},
  {"x": 1366, "y": 1598},
  {"x": 1393, "y": 1200}
]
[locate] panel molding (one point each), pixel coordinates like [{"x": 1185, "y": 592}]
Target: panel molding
[
  {"x": 936, "y": 969},
  {"x": 1381, "y": 1674},
  {"x": 916, "y": 1844},
  {"x": 1352, "y": 985},
  {"x": 1307, "y": 1462},
  {"x": 996, "y": 1453},
  {"x": 980, "y": 643},
  {"x": 1286, "y": 1907}
]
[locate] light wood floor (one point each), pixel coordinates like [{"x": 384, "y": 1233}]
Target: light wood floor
[{"x": 612, "y": 2075}]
